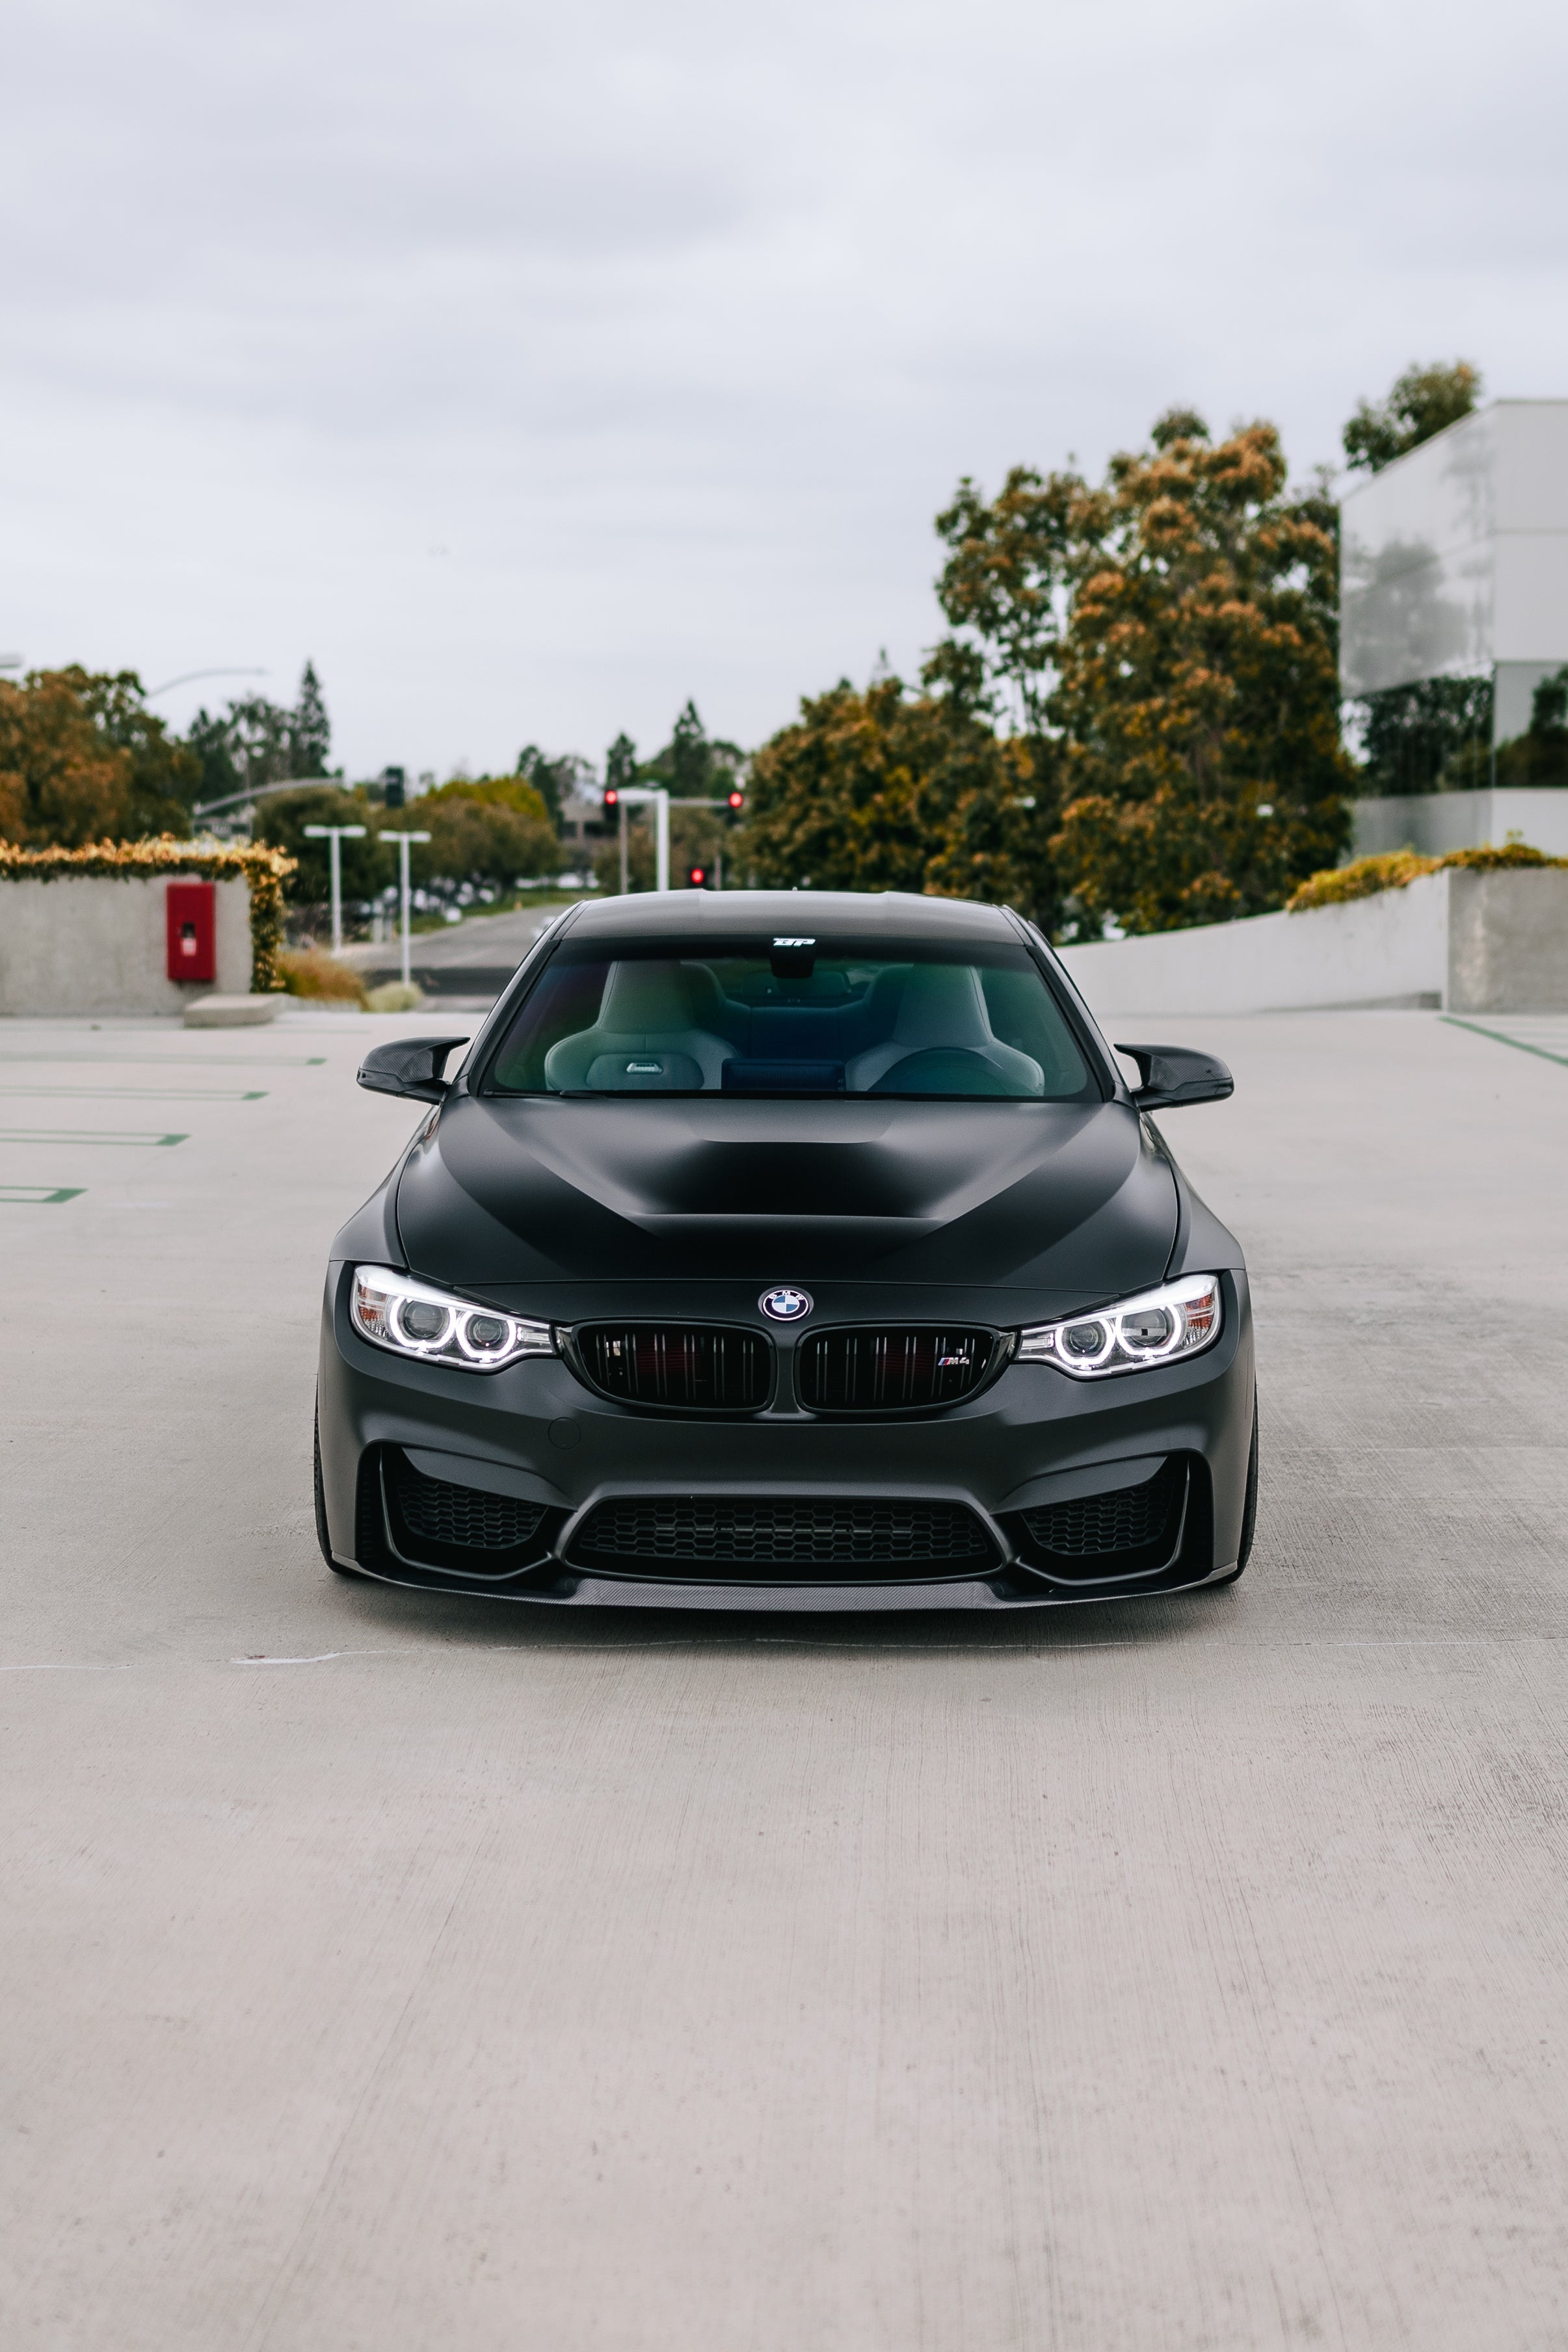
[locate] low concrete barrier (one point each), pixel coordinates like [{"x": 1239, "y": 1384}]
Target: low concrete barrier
[
  {"x": 98, "y": 943},
  {"x": 1457, "y": 940}
]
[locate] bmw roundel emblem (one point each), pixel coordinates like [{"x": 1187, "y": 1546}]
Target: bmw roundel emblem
[{"x": 786, "y": 1304}]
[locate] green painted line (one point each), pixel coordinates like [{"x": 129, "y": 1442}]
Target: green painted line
[
  {"x": 185, "y": 1061},
  {"x": 1503, "y": 1038},
  {"x": 40, "y": 1196},
  {"x": 136, "y": 1094},
  {"x": 86, "y": 1135}
]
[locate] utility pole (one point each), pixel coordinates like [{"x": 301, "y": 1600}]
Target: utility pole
[
  {"x": 336, "y": 834},
  {"x": 403, "y": 841}
]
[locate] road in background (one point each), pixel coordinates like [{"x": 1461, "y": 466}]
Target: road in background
[
  {"x": 381, "y": 1971},
  {"x": 472, "y": 960}
]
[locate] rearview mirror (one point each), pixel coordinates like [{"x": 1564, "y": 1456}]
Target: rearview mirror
[
  {"x": 1174, "y": 1074},
  {"x": 409, "y": 1066}
]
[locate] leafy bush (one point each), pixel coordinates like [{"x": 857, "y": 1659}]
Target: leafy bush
[
  {"x": 1394, "y": 870},
  {"x": 311, "y": 971}
]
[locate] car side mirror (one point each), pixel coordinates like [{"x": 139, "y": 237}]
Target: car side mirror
[
  {"x": 1174, "y": 1074},
  {"x": 409, "y": 1066}
]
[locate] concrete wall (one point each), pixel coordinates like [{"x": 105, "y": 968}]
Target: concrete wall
[
  {"x": 1464, "y": 942},
  {"x": 1435, "y": 823},
  {"x": 1508, "y": 942},
  {"x": 93, "y": 943}
]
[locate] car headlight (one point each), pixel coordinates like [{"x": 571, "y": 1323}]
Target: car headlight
[
  {"x": 1156, "y": 1327},
  {"x": 411, "y": 1319}
]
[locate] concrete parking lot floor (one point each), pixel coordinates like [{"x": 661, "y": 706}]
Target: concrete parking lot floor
[{"x": 385, "y": 1972}]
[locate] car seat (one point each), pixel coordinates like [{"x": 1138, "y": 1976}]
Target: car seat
[
  {"x": 647, "y": 1016},
  {"x": 943, "y": 1008}
]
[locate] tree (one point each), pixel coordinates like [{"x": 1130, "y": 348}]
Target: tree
[
  {"x": 207, "y": 741},
  {"x": 621, "y": 764},
  {"x": 62, "y": 782},
  {"x": 493, "y": 829},
  {"x": 82, "y": 759},
  {"x": 1421, "y": 403},
  {"x": 1005, "y": 591},
  {"x": 368, "y": 866},
  {"x": 163, "y": 775},
  {"x": 555, "y": 777},
  {"x": 691, "y": 762},
  {"x": 250, "y": 745},
  {"x": 309, "y": 730},
  {"x": 888, "y": 790},
  {"x": 694, "y": 765},
  {"x": 1202, "y": 772}
]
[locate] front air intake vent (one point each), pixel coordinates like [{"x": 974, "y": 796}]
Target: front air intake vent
[
  {"x": 770, "y": 1539},
  {"x": 683, "y": 1367},
  {"x": 1128, "y": 1531},
  {"x": 892, "y": 1371},
  {"x": 454, "y": 1530},
  {"x": 444, "y": 1514}
]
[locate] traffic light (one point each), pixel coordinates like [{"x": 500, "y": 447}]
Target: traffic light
[
  {"x": 611, "y": 800},
  {"x": 697, "y": 878},
  {"x": 737, "y": 800},
  {"x": 394, "y": 788}
]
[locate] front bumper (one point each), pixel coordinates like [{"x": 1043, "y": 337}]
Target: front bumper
[{"x": 1031, "y": 1440}]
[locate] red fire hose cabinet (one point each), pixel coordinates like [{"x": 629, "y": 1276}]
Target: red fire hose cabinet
[{"x": 192, "y": 931}]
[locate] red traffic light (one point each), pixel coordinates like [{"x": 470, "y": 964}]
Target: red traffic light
[
  {"x": 738, "y": 800},
  {"x": 612, "y": 797},
  {"x": 697, "y": 878}
]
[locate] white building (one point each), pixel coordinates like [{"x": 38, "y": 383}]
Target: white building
[{"x": 1454, "y": 561}]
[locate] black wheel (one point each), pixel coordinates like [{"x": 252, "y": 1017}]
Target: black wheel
[
  {"x": 321, "y": 1512},
  {"x": 1249, "y": 1508}
]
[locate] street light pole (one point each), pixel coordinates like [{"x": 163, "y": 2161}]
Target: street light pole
[
  {"x": 403, "y": 841},
  {"x": 642, "y": 794},
  {"x": 336, "y": 834}
]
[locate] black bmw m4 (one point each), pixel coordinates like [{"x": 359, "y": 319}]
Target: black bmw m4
[{"x": 788, "y": 1250}]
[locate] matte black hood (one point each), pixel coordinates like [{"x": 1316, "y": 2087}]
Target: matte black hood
[{"x": 1065, "y": 1199}]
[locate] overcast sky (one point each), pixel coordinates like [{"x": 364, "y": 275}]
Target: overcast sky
[{"x": 531, "y": 369}]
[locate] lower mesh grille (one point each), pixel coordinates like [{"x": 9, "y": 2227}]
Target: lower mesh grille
[
  {"x": 1132, "y": 1519},
  {"x": 772, "y": 1533},
  {"x": 890, "y": 1371},
  {"x": 461, "y": 1516},
  {"x": 704, "y": 1369}
]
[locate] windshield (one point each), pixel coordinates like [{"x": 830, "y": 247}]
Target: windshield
[{"x": 800, "y": 1016}]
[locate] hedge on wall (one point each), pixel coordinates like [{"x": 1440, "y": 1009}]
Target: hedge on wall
[
  {"x": 265, "y": 869},
  {"x": 1396, "y": 868}
]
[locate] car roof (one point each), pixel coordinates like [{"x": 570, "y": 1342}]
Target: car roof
[{"x": 865, "y": 914}]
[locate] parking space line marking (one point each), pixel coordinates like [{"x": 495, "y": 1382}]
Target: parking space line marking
[
  {"x": 179, "y": 1061},
  {"x": 136, "y": 1094},
  {"x": 1503, "y": 1038},
  {"x": 39, "y": 1196},
  {"x": 133, "y": 1136}
]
